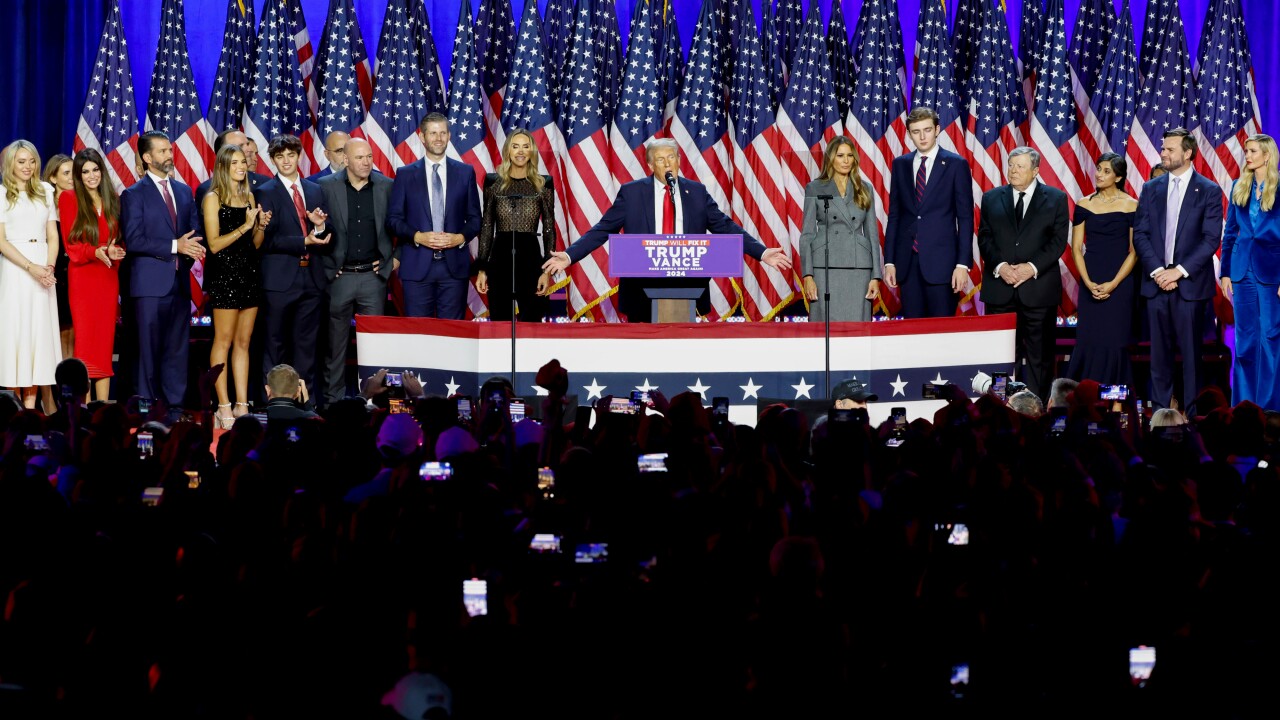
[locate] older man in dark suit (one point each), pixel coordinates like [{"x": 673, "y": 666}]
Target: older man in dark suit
[
  {"x": 648, "y": 206},
  {"x": 1177, "y": 232},
  {"x": 160, "y": 222},
  {"x": 361, "y": 256},
  {"x": 1022, "y": 235}
]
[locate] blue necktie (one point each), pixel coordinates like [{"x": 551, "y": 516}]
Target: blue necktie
[{"x": 437, "y": 199}]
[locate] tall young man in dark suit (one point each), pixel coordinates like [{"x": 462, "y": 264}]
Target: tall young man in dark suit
[
  {"x": 1023, "y": 232},
  {"x": 361, "y": 256},
  {"x": 160, "y": 221},
  {"x": 928, "y": 240},
  {"x": 434, "y": 212},
  {"x": 1177, "y": 232},
  {"x": 293, "y": 279},
  {"x": 647, "y": 206}
]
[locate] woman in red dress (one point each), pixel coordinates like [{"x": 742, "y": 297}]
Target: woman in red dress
[{"x": 90, "y": 219}]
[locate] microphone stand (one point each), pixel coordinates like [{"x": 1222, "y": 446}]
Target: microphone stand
[{"x": 512, "y": 231}]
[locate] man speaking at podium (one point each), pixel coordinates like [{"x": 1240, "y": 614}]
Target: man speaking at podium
[{"x": 669, "y": 204}]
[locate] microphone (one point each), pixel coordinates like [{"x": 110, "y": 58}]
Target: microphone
[
  {"x": 825, "y": 197},
  {"x": 671, "y": 184}
]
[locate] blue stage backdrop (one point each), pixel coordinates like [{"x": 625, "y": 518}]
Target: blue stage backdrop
[{"x": 49, "y": 46}]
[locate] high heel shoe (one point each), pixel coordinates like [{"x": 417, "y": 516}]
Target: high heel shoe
[
  {"x": 224, "y": 421},
  {"x": 238, "y": 406}
]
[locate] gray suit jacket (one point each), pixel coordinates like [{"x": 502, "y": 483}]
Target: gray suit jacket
[
  {"x": 335, "y": 193},
  {"x": 855, "y": 243}
]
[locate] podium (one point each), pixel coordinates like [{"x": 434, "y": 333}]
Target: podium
[{"x": 665, "y": 263}]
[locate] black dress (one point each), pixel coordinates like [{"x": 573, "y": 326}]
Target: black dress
[
  {"x": 1105, "y": 327},
  {"x": 233, "y": 275},
  {"x": 504, "y": 217}
]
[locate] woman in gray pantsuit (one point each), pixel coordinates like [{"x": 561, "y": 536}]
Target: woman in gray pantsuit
[{"x": 855, "y": 244}]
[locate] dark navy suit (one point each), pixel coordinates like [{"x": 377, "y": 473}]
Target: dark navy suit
[
  {"x": 941, "y": 224},
  {"x": 158, "y": 282},
  {"x": 434, "y": 288},
  {"x": 1177, "y": 317},
  {"x": 293, "y": 293},
  {"x": 633, "y": 212}
]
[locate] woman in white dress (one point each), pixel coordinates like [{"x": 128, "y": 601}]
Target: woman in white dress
[{"x": 30, "y": 347}]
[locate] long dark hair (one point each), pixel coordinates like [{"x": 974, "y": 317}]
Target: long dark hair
[{"x": 85, "y": 228}]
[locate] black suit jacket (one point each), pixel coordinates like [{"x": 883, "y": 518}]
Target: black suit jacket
[
  {"x": 285, "y": 241},
  {"x": 1040, "y": 240}
]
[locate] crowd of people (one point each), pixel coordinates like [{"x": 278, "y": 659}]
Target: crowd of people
[{"x": 999, "y": 558}]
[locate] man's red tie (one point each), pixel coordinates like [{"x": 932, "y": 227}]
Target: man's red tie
[
  {"x": 920, "y": 183},
  {"x": 669, "y": 215},
  {"x": 302, "y": 215},
  {"x": 168, "y": 202}
]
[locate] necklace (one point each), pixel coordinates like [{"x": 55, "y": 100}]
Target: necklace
[{"x": 1108, "y": 199}]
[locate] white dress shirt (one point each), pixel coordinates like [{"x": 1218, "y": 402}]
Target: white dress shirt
[{"x": 660, "y": 200}]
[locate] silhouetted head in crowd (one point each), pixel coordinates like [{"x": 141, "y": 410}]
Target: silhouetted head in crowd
[
  {"x": 1060, "y": 393},
  {"x": 1167, "y": 417},
  {"x": 1026, "y": 403},
  {"x": 851, "y": 394},
  {"x": 283, "y": 382},
  {"x": 72, "y": 373}
]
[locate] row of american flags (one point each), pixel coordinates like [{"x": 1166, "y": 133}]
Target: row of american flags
[{"x": 752, "y": 106}]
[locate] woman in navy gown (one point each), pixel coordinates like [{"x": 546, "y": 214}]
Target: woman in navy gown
[{"x": 1102, "y": 246}]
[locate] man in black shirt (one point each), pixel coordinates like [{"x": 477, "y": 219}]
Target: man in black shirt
[{"x": 361, "y": 258}]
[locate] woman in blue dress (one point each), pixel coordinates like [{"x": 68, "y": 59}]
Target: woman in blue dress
[
  {"x": 1102, "y": 246},
  {"x": 1251, "y": 273}
]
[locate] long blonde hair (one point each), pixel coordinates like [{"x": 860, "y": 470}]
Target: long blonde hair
[
  {"x": 504, "y": 168},
  {"x": 1270, "y": 175},
  {"x": 223, "y": 186},
  {"x": 12, "y": 189},
  {"x": 860, "y": 194}
]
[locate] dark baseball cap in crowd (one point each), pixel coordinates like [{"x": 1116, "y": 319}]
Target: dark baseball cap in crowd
[{"x": 852, "y": 389}]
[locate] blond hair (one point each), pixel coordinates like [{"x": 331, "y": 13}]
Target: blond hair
[
  {"x": 504, "y": 168},
  {"x": 9, "y": 163},
  {"x": 1270, "y": 175}
]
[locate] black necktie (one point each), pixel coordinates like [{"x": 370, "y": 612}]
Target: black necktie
[{"x": 1017, "y": 209}]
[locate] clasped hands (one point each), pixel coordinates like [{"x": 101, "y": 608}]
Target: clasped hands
[
  {"x": 438, "y": 240},
  {"x": 317, "y": 218},
  {"x": 1167, "y": 279},
  {"x": 109, "y": 253},
  {"x": 1015, "y": 275}
]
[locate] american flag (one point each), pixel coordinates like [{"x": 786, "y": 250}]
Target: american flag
[
  {"x": 772, "y": 56},
  {"x": 343, "y": 80},
  {"x": 306, "y": 66},
  {"x": 391, "y": 125},
  {"x": 1088, "y": 50},
  {"x": 808, "y": 119},
  {"x": 234, "y": 80},
  {"x": 494, "y": 40},
  {"x": 173, "y": 107},
  {"x": 589, "y": 186},
  {"x": 758, "y": 193},
  {"x": 1167, "y": 101},
  {"x": 1064, "y": 161},
  {"x": 1115, "y": 97},
  {"x": 730, "y": 17},
  {"x": 877, "y": 119},
  {"x": 1030, "y": 47},
  {"x": 671, "y": 68},
  {"x": 278, "y": 105},
  {"x": 996, "y": 114},
  {"x": 109, "y": 122},
  {"x": 701, "y": 129},
  {"x": 467, "y": 127},
  {"x": 1228, "y": 97},
  {"x": 1153, "y": 34},
  {"x": 970, "y": 17},
  {"x": 1094, "y": 23},
  {"x": 840, "y": 58},
  {"x": 639, "y": 115},
  {"x": 788, "y": 28},
  {"x": 528, "y": 105},
  {"x": 429, "y": 73},
  {"x": 557, "y": 38},
  {"x": 608, "y": 44},
  {"x": 935, "y": 75}
]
